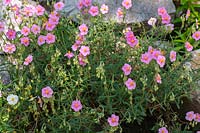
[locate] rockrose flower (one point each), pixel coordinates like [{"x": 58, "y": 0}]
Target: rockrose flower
[
  {"x": 39, "y": 10},
  {"x": 35, "y": 29},
  {"x": 83, "y": 29},
  {"x": 50, "y": 38},
  {"x": 41, "y": 40},
  {"x": 172, "y": 56},
  {"x": 28, "y": 60},
  {"x": 94, "y": 10},
  {"x": 59, "y": 6},
  {"x": 9, "y": 48},
  {"x": 127, "y": 4},
  {"x": 12, "y": 99},
  {"x": 47, "y": 92},
  {"x": 196, "y": 35},
  {"x": 158, "y": 78},
  {"x": 152, "y": 21},
  {"x": 80, "y": 4},
  {"x": 162, "y": 11},
  {"x": 11, "y": 34},
  {"x": 146, "y": 58},
  {"x": 25, "y": 41},
  {"x": 188, "y": 46},
  {"x": 69, "y": 55},
  {"x": 120, "y": 13},
  {"x": 25, "y": 31},
  {"x": 187, "y": 14},
  {"x": 87, "y": 3},
  {"x": 50, "y": 26},
  {"x": 161, "y": 60},
  {"x": 113, "y": 120},
  {"x": 76, "y": 105},
  {"x": 126, "y": 69},
  {"x": 162, "y": 130},
  {"x": 104, "y": 9},
  {"x": 166, "y": 18},
  {"x": 197, "y": 117},
  {"x": 28, "y": 10},
  {"x": 130, "y": 84},
  {"x": 84, "y": 50},
  {"x": 190, "y": 115}
]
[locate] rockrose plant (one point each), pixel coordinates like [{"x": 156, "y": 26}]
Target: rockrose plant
[{"x": 90, "y": 76}]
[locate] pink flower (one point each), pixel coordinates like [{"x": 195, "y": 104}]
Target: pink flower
[
  {"x": 162, "y": 130},
  {"x": 1, "y": 26},
  {"x": 127, "y": 4},
  {"x": 187, "y": 14},
  {"x": 15, "y": 9},
  {"x": 75, "y": 47},
  {"x": 83, "y": 29},
  {"x": 166, "y": 18},
  {"x": 146, "y": 58},
  {"x": 94, "y": 10},
  {"x": 69, "y": 55},
  {"x": 81, "y": 59},
  {"x": 162, "y": 11},
  {"x": 172, "y": 56},
  {"x": 28, "y": 10},
  {"x": 11, "y": 34},
  {"x": 50, "y": 38},
  {"x": 130, "y": 84},
  {"x": 76, "y": 105},
  {"x": 87, "y": 3},
  {"x": 54, "y": 20},
  {"x": 190, "y": 115},
  {"x": 155, "y": 54},
  {"x": 59, "y": 6},
  {"x": 25, "y": 31},
  {"x": 6, "y": 2},
  {"x": 131, "y": 39},
  {"x": 151, "y": 50},
  {"x": 196, "y": 35},
  {"x": 25, "y": 41},
  {"x": 47, "y": 92},
  {"x": 39, "y": 10},
  {"x": 197, "y": 117},
  {"x": 158, "y": 78},
  {"x": 80, "y": 39},
  {"x": 113, "y": 120},
  {"x": 104, "y": 9},
  {"x": 188, "y": 46},
  {"x": 126, "y": 69},
  {"x": 120, "y": 13},
  {"x": 41, "y": 40},
  {"x": 35, "y": 29},
  {"x": 9, "y": 48},
  {"x": 161, "y": 60},
  {"x": 84, "y": 50},
  {"x": 28, "y": 60},
  {"x": 50, "y": 26},
  {"x": 53, "y": 14},
  {"x": 80, "y": 4}
]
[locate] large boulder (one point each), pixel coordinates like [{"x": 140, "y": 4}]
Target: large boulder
[{"x": 141, "y": 10}]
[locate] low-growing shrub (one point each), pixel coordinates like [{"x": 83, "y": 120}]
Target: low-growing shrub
[{"x": 90, "y": 76}]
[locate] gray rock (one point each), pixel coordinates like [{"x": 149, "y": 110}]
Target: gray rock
[
  {"x": 141, "y": 10},
  {"x": 4, "y": 75}
]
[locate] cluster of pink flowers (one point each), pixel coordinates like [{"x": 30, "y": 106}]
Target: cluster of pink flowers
[
  {"x": 166, "y": 18},
  {"x": 84, "y": 51},
  {"x": 190, "y": 116},
  {"x": 127, "y": 4},
  {"x": 131, "y": 39},
  {"x": 153, "y": 54},
  {"x": 162, "y": 130},
  {"x": 130, "y": 84}
]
